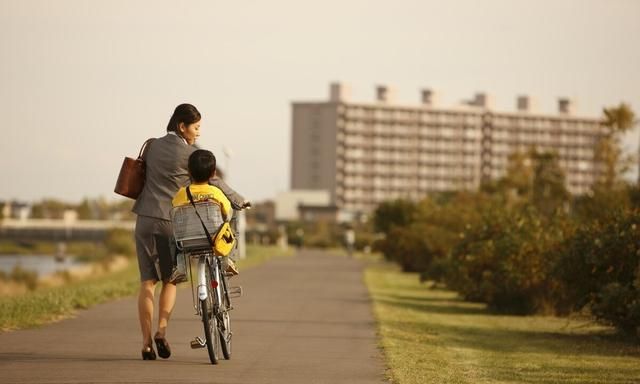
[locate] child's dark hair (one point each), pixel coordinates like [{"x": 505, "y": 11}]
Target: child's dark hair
[{"x": 202, "y": 164}]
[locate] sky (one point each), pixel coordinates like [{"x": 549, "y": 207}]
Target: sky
[{"x": 84, "y": 83}]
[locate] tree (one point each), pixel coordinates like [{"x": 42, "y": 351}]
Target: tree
[
  {"x": 517, "y": 180},
  {"x": 84, "y": 210},
  {"x": 549, "y": 193},
  {"x": 398, "y": 212},
  {"x": 610, "y": 192},
  {"x": 612, "y": 163},
  {"x": 49, "y": 209}
]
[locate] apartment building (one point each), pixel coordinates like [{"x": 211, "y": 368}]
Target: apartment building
[{"x": 366, "y": 153}]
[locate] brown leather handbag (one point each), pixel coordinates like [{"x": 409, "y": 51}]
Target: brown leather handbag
[{"x": 131, "y": 178}]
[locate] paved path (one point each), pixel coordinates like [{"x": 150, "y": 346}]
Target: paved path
[{"x": 305, "y": 319}]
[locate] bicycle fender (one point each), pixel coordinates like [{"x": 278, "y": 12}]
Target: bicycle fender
[{"x": 202, "y": 282}]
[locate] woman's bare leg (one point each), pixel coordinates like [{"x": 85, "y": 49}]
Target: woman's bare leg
[
  {"x": 167, "y": 301},
  {"x": 145, "y": 310}
]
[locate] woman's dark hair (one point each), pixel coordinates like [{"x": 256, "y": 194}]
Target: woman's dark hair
[
  {"x": 184, "y": 113},
  {"x": 202, "y": 164}
]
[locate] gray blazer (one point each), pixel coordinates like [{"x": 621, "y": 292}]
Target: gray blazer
[{"x": 166, "y": 161}]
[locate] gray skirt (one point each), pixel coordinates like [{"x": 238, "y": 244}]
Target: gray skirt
[{"x": 154, "y": 247}]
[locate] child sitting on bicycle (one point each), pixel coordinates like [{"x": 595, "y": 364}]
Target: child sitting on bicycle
[{"x": 202, "y": 167}]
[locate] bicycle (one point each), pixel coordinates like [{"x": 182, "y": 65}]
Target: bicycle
[{"x": 214, "y": 295}]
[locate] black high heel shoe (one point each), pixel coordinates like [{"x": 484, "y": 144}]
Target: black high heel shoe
[
  {"x": 164, "y": 350},
  {"x": 148, "y": 354}
]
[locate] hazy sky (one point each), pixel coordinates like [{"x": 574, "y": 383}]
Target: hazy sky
[{"x": 84, "y": 83}]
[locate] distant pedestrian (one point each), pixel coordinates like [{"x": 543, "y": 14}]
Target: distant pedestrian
[
  {"x": 166, "y": 171},
  {"x": 300, "y": 237},
  {"x": 349, "y": 240}
]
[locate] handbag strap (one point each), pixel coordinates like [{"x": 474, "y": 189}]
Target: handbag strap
[
  {"x": 206, "y": 231},
  {"x": 144, "y": 147}
]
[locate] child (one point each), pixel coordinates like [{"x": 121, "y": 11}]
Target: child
[{"x": 202, "y": 167}]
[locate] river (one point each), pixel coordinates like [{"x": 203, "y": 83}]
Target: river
[{"x": 42, "y": 264}]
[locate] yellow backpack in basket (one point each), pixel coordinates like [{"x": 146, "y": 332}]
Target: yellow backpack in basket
[{"x": 224, "y": 240}]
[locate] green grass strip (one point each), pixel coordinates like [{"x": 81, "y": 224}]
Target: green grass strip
[
  {"x": 432, "y": 336},
  {"x": 51, "y": 304}
]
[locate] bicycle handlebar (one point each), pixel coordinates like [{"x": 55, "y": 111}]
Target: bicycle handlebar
[{"x": 245, "y": 205}]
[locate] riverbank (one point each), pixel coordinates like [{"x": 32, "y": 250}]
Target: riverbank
[
  {"x": 55, "y": 302},
  {"x": 22, "y": 280},
  {"x": 49, "y": 304},
  {"x": 432, "y": 336}
]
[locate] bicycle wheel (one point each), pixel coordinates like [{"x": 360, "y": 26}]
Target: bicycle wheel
[
  {"x": 224, "y": 321},
  {"x": 210, "y": 321}
]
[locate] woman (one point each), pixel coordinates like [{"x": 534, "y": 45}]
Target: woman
[{"x": 166, "y": 171}]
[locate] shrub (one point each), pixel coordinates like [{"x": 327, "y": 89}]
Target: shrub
[
  {"x": 120, "y": 242},
  {"x": 397, "y": 213},
  {"x": 507, "y": 261},
  {"x": 408, "y": 246},
  {"x": 24, "y": 276},
  {"x": 600, "y": 269},
  {"x": 420, "y": 234}
]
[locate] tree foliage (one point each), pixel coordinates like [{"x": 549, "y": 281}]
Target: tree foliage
[
  {"x": 600, "y": 269},
  {"x": 523, "y": 244},
  {"x": 612, "y": 163}
]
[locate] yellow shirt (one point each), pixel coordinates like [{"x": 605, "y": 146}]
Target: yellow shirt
[{"x": 201, "y": 192}]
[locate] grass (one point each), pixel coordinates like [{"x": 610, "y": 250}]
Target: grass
[
  {"x": 10, "y": 247},
  {"x": 432, "y": 336},
  {"x": 50, "y": 304}
]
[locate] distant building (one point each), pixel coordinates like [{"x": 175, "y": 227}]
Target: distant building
[
  {"x": 261, "y": 216},
  {"x": 15, "y": 210},
  {"x": 70, "y": 215},
  {"x": 366, "y": 153},
  {"x": 316, "y": 213},
  {"x": 288, "y": 204}
]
